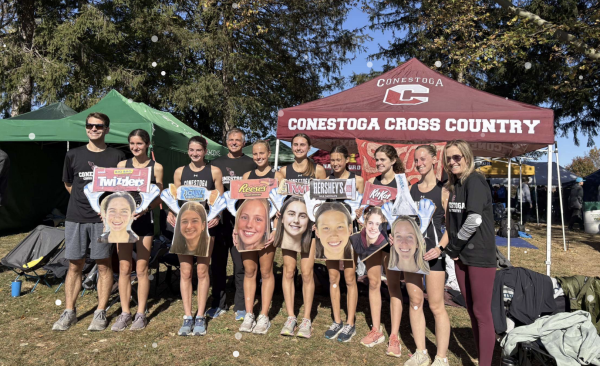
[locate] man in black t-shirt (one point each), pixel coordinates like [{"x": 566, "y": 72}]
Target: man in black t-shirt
[
  {"x": 83, "y": 225},
  {"x": 233, "y": 166}
]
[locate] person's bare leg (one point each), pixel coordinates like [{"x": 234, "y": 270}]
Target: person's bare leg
[
  {"x": 435, "y": 297},
  {"x": 373, "y": 265},
  {"x": 250, "y": 260},
  {"x": 203, "y": 283},
  {"x": 333, "y": 267},
  {"x": 73, "y": 282},
  {"x": 268, "y": 280},
  {"x": 287, "y": 283},
  {"x": 352, "y": 288},
  {"x": 414, "y": 287},
  {"x": 307, "y": 264},
  {"x": 124, "y": 251},
  {"x": 144, "y": 246},
  {"x": 393, "y": 281},
  {"x": 105, "y": 282},
  {"x": 186, "y": 263}
]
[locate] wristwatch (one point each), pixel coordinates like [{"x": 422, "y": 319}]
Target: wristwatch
[{"x": 442, "y": 249}]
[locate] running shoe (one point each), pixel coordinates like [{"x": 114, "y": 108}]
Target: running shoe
[
  {"x": 374, "y": 338},
  {"x": 262, "y": 325},
  {"x": 122, "y": 322},
  {"x": 214, "y": 313},
  {"x": 440, "y": 361},
  {"x": 239, "y": 315},
  {"x": 394, "y": 348},
  {"x": 186, "y": 328},
  {"x": 248, "y": 323},
  {"x": 139, "y": 322},
  {"x": 66, "y": 320},
  {"x": 289, "y": 326},
  {"x": 419, "y": 358},
  {"x": 199, "y": 326},
  {"x": 347, "y": 333},
  {"x": 305, "y": 329},
  {"x": 99, "y": 322},
  {"x": 334, "y": 330}
]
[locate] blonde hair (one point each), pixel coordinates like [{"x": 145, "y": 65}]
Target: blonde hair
[
  {"x": 267, "y": 219},
  {"x": 421, "y": 246},
  {"x": 179, "y": 242},
  {"x": 467, "y": 153}
]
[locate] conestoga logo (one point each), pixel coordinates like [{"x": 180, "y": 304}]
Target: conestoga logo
[{"x": 404, "y": 95}]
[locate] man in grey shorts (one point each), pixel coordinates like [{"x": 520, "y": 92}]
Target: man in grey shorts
[{"x": 83, "y": 225}]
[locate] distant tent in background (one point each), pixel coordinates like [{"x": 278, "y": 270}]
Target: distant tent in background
[
  {"x": 35, "y": 191},
  {"x": 51, "y": 111},
  {"x": 286, "y": 156},
  {"x": 591, "y": 186},
  {"x": 541, "y": 175},
  {"x": 499, "y": 169}
]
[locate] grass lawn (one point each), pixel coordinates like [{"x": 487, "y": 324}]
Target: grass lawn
[{"x": 27, "y": 339}]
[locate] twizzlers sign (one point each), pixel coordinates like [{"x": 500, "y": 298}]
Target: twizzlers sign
[
  {"x": 406, "y": 152},
  {"x": 121, "y": 179}
]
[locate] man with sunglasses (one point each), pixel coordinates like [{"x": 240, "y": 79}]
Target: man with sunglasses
[{"x": 83, "y": 225}]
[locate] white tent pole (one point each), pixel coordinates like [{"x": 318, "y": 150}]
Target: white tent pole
[
  {"x": 508, "y": 203},
  {"x": 549, "y": 214},
  {"x": 562, "y": 218},
  {"x": 537, "y": 214},
  {"x": 521, "y": 188},
  {"x": 277, "y": 154}
]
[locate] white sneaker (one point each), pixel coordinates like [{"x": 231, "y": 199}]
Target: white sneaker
[
  {"x": 248, "y": 324},
  {"x": 262, "y": 325}
]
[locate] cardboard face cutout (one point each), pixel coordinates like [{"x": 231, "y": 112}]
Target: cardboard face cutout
[
  {"x": 333, "y": 229},
  {"x": 295, "y": 223},
  {"x": 117, "y": 212},
  {"x": 372, "y": 238},
  {"x": 252, "y": 225},
  {"x": 408, "y": 247},
  {"x": 191, "y": 233}
]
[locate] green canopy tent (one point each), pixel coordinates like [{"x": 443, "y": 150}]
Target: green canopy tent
[
  {"x": 51, "y": 111},
  {"x": 285, "y": 152},
  {"x": 52, "y": 138}
]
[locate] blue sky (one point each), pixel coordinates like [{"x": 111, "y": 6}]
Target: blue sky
[{"x": 567, "y": 148}]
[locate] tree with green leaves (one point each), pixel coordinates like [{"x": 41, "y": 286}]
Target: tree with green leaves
[
  {"x": 487, "y": 47},
  {"x": 213, "y": 64}
]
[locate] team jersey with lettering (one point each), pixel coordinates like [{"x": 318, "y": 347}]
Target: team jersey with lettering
[
  {"x": 291, "y": 174},
  {"x": 270, "y": 174},
  {"x": 233, "y": 168},
  {"x": 202, "y": 178},
  {"x": 438, "y": 215},
  {"x": 377, "y": 181},
  {"x": 473, "y": 196},
  {"x": 79, "y": 171}
]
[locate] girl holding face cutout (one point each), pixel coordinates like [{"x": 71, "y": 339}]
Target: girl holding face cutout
[
  {"x": 431, "y": 188},
  {"x": 196, "y": 173},
  {"x": 143, "y": 226},
  {"x": 261, "y": 152},
  {"x": 339, "y": 159},
  {"x": 301, "y": 170}
]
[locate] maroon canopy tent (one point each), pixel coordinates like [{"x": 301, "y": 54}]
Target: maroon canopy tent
[{"x": 414, "y": 104}]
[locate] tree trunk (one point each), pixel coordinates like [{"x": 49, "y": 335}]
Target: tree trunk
[{"x": 21, "y": 100}]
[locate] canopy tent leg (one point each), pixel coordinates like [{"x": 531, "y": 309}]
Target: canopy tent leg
[
  {"x": 277, "y": 155},
  {"x": 549, "y": 214},
  {"x": 537, "y": 214},
  {"x": 67, "y": 145},
  {"x": 508, "y": 203},
  {"x": 562, "y": 215},
  {"x": 521, "y": 188}
]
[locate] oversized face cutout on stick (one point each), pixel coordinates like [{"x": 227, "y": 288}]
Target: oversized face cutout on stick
[
  {"x": 408, "y": 247},
  {"x": 295, "y": 223},
  {"x": 117, "y": 212},
  {"x": 333, "y": 225},
  {"x": 252, "y": 225},
  {"x": 373, "y": 237},
  {"x": 191, "y": 234}
]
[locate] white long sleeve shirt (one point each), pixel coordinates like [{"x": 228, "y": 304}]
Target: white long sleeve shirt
[{"x": 525, "y": 193}]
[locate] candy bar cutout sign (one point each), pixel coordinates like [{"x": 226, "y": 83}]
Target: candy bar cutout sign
[
  {"x": 376, "y": 195},
  {"x": 291, "y": 188},
  {"x": 193, "y": 194},
  {"x": 337, "y": 189},
  {"x": 251, "y": 188},
  {"x": 121, "y": 179}
]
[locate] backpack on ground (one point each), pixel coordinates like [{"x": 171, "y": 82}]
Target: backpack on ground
[{"x": 514, "y": 229}]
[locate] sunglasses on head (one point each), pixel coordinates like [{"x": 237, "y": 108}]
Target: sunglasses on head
[
  {"x": 90, "y": 126},
  {"x": 457, "y": 158}
]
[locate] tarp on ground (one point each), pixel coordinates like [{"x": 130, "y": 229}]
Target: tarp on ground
[
  {"x": 51, "y": 111},
  {"x": 286, "y": 155},
  {"x": 414, "y": 104},
  {"x": 45, "y": 143},
  {"x": 499, "y": 169}
]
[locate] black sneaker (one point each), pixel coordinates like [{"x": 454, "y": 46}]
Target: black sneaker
[
  {"x": 334, "y": 330},
  {"x": 347, "y": 333}
]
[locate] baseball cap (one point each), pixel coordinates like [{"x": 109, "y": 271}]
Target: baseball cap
[{"x": 579, "y": 180}]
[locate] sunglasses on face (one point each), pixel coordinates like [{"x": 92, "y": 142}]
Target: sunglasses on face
[
  {"x": 90, "y": 126},
  {"x": 457, "y": 158}
]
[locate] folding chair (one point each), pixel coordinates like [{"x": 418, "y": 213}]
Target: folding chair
[
  {"x": 59, "y": 266},
  {"x": 34, "y": 252}
]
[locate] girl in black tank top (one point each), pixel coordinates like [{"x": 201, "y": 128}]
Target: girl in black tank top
[
  {"x": 261, "y": 151},
  {"x": 425, "y": 160},
  {"x": 143, "y": 226}
]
